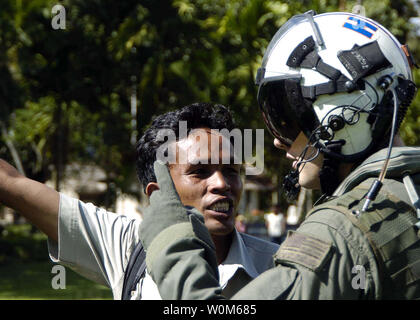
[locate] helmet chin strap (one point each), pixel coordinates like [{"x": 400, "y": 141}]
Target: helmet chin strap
[{"x": 329, "y": 175}]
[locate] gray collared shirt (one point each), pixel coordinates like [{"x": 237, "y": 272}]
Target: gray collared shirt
[{"x": 97, "y": 244}]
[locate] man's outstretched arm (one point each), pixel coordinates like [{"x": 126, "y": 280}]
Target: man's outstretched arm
[{"x": 34, "y": 200}]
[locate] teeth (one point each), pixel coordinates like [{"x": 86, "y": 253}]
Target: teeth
[{"x": 221, "y": 206}]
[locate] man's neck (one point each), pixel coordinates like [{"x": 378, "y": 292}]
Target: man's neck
[{"x": 222, "y": 244}]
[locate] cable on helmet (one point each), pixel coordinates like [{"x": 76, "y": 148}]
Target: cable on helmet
[
  {"x": 407, "y": 92},
  {"x": 377, "y": 184}
]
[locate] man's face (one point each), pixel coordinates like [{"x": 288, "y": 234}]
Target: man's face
[
  {"x": 309, "y": 175},
  {"x": 213, "y": 189}
]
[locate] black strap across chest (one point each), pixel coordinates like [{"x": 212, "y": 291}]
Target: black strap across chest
[{"x": 136, "y": 269}]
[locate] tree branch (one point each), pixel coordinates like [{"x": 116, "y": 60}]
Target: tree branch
[{"x": 13, "y": 151}]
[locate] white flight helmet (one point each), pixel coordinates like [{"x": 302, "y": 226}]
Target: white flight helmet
[{"x": 330, "y": 76}]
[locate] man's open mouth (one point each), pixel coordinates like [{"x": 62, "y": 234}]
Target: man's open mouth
[{"x": 223, "y": 206}]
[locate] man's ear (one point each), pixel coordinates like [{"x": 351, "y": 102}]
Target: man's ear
[{"x": 151, "y": 186}]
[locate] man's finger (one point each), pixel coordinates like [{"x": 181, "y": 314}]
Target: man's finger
[{"x": 164, "y": 179}]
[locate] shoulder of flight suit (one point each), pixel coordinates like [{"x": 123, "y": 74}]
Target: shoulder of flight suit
[{"x": 327, "y": 257}]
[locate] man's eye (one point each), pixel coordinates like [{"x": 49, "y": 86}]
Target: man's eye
[
  {"x": 232, "y": 171},
  {"x": 199, "y": 172}
]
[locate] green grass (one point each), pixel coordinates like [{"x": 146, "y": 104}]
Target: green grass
[
  {"x": 32, "y": 280},
  {"x": 25, "y": 270}
]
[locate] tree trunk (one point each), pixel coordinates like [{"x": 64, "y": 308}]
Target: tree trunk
[{"x": 59, "y": 146}]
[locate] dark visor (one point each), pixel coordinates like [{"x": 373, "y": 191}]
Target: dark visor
[{"x": 285, "y": 112}]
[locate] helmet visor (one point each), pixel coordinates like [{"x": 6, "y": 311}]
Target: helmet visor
[{"x": 285, "y": 112}]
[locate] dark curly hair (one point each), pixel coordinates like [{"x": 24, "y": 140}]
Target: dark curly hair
[{"x": 197, "y": 115}]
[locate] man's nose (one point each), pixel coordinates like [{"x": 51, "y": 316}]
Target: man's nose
[{"x": 218, "y": 182}]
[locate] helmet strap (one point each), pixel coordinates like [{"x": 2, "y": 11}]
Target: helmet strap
[
  {"x": 328, "y": 175},
  {"x": 306, "y": 56},
  {"x": 362, "y": 61}
]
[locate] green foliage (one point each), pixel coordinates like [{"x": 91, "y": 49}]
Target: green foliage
[
  {"x": 410, "y": 131},
  {"x": 65, "y": 94},
  {"x": 26, "y": 273},
  {"x": 22, "y": 243}
]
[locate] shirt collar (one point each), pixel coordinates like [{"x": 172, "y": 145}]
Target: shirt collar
[{"x": 238, "y": 257}]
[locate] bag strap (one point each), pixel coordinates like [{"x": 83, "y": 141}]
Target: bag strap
[
  {"x": 136, "y": 269},
  {"x": 341, "y": 205},
  {"x": 388, "y": 237},
  {"x": 414, "y": 197}
]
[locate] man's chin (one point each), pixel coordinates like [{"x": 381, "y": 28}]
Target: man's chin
[
  {"x": 218, "y": 229},
  {"x": 311, "y": 184}
]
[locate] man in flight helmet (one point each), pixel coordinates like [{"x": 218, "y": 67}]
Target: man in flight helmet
[
  {"x": 328, "y": 82},
  {"x": 333, "y": 91}
]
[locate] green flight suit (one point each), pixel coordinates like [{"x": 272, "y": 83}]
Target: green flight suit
[{"x": 329, "y": 256}]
